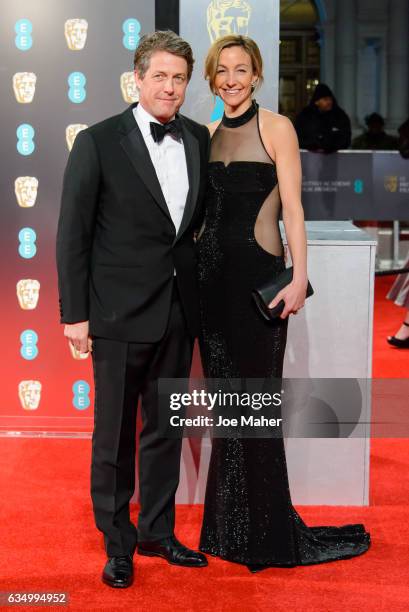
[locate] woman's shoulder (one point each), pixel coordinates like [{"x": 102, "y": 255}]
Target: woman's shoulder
[
  {"x": 277, "y": 132},
  {"x": 273, "y": 121},
  {"x": 212, "y": 127}
]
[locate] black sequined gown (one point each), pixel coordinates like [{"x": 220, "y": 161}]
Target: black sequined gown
[{"x": 248, "y": 514}]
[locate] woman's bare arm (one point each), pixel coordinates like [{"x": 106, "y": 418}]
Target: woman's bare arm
[{"x": 281, "y": 142}]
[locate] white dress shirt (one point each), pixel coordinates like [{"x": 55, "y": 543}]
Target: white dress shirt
[{"x": 169, "y": 160}]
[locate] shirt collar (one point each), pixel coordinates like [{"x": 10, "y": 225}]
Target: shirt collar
[{"x": 144, "y": 119}]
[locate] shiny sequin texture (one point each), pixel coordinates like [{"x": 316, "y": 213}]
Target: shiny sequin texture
[{"x": 248, "y": 515}]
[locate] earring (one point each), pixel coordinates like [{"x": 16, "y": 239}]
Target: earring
[{"x": 253, "y": 86}]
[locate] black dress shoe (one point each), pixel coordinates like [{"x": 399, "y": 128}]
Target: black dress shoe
[
  {"x": 173, "y": 551},
  {"x": 118, "y": 572}
]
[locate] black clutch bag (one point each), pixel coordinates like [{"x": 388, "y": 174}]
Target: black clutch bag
[{"x": 265, "y": 293}]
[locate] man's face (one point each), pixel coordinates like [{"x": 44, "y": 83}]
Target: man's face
[
  {"x": 325, "y": 104},
  {"x": 163, "y": 87}
]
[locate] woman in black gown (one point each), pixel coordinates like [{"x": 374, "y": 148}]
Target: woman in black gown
[{"x": 248, "y": 515}]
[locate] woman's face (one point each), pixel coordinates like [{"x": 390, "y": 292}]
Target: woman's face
[{"x": 234, "y": 76}]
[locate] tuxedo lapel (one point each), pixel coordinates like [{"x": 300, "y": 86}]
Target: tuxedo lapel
[
  {"x": 137, "y": 151},
  {"x": 134, "y": 146},
  {"x": 192, "y": 153}
]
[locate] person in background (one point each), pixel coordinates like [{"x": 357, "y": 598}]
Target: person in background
[
  {"x": 403, "y": 142},
  {"x": 375, "y": 137},
  {"x": 399, "y": 293},
  {"x": 323, "y": 126}
]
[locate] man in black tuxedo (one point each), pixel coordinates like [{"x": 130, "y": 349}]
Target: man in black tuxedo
[{"x": 127, "y": 282}]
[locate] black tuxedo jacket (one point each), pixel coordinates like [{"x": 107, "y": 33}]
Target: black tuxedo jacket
[{"x": 117, "y": 247}]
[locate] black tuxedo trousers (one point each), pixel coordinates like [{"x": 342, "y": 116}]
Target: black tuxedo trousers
[{"x": 123, "y": 372}]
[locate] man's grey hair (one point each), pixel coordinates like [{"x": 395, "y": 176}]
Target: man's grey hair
[{"x": 162, "y": 41}]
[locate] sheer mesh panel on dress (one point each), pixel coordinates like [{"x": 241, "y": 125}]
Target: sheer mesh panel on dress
[{"x": 244, "y": 144}]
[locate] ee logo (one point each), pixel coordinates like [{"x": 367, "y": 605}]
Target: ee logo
[
  {"x": 358, "y": 186},
  {"x": 28, "y": 339},
  {"x": 25, "y": 134},
  {"x": 23, "y": 29},
  {"x": 27, "y": 238},
  {"x": 81, "y": 390},
  {"x": 131, "y": 28},
  {"x": 76, "y": 92}
]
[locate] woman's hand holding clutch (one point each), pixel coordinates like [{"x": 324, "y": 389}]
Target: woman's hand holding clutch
[{"x": 293, "y": 295}]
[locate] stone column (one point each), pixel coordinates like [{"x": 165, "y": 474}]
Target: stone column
[
  {"x": 398, "y": 56},
  {"x": 327, "y": 33},
  {"x": 346, "y": 57}
]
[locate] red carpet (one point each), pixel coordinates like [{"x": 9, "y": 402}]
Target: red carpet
[
  {"x": 49, "y": 543},
  {"x": 388, "y": 362}
]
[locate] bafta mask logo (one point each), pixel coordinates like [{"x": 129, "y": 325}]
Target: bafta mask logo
[
  {"x": 29, "y": 392},
  {"x": 75, "y": 31},
  {"x": 26, "y": 188},
  {"x": 391, "y": 183},
  {"x": 227, "y": 17},
  {"x": 129, "y": 89},
  {"x": 28, "y": 293},
  {"x": 76, "y": 354},
  {"x": 24, "y": 86},
  {"x": 71, "y": 132}
]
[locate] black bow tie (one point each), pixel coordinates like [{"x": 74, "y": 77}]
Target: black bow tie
[{"x": 159, "y": 130}]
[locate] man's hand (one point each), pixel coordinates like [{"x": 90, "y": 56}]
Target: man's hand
[{"x": 77, "y": 334}]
